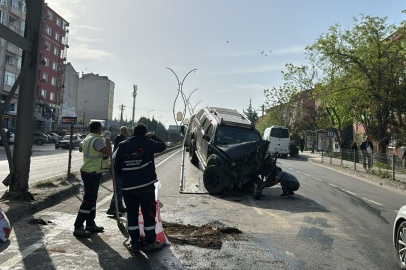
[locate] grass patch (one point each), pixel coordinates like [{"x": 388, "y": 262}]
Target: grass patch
[
  {"x": 45, "y": 183},
  {"x": 382, "y": 165},
  {"x": 380, "y": 173}
]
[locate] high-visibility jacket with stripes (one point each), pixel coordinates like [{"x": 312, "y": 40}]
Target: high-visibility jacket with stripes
[
  {"x": 134, "y": 161},
  {"x": 92, "y": 159}
]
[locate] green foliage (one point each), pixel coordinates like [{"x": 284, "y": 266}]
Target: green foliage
[
  {"x": 251, "y": 113},
  {"x": 382, "y": 165}
]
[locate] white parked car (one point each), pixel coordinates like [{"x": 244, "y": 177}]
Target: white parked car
[
  {"x": 279, "y": 138},
  {"x": 399, "y": 236}
]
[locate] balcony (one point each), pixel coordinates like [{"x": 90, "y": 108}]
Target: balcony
[
  {"x": 18, "y": 10},
  {"x": 13, "y": 49},
  {"x": 16, "y": 29},
  {"x": 3, "y": 5}
]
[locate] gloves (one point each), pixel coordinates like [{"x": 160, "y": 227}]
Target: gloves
[{"x": 107, "y": 135}]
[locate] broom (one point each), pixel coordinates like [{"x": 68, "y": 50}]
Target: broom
[{"x": 120, "y": 225}]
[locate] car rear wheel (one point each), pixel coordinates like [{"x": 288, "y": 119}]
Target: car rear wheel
[
  {"x": 284, "y": 155},
  {"x": 39, "y": 142},
  {"x": 213, "y": 178},
  {"x": 401, "y": 244},
  {"x": 53, "y": 141},
  {"x": 192, "y": 152}
]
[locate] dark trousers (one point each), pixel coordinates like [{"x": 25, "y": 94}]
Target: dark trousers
[
  {"x": 366, "y": 156},
  {"x": 87, "y": 210},
  {"x": 301, "y": 148},
  {"x": 144, "y": 197},
  {"x": 119, "y": 192},
  {"x": 289, "y": 186}
]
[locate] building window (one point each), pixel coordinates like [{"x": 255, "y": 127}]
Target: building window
[
  {"x": 44, "y": 77},
  {"x": 52, "y": 96},
  {"x": 47, "y": 46},
  {"x": 43, "y": 93},
  {"x": 48, "y": 30},
  {"x": 50, "y": 15},
  {"x": 19, "y": 60},
  {"x": 22, "y": 26},
  {"x": 9, "y": 78},
  {"x": 53, "y": 81},
  {"x": 64, "y": 25},
  {"x": 57, "y": 36},
  {"x": 56, "y": 51},
  {"x": 2, "y": 17},
  {"x": 58, "y": 22},
  {"x": 46, "y": 61},
  {"x": 54, "y": 66}
]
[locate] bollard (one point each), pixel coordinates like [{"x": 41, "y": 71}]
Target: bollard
[
  {"x": 70, "y": 150},
  {"x": 355, "y": 160},
  {"x": 393, "y": 167}
]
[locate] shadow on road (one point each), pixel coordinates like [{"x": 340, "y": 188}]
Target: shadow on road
[{"x": 4, "y": 246}]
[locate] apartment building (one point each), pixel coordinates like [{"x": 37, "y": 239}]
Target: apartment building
[
  {"x": 12, "y": 14},
  {"x": 51, "y": 81},
  {"x": 95, "y": 97},
  {"x": 70, "y": 91}
]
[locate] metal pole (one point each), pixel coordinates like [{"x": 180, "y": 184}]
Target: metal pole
[
  {"x": 84, "y": 115},
  {"x": 393, "y": 167},
  {"x": 341, "y": 150},
  {"x": 322, "y": 156},
  {"x": 331, "y": 151},
  {"x": 70, "y": 150},
  {"x": 134, "y": 96},
  {"x": 26, "y": 98},
  {"x": 355, "y": 159}
]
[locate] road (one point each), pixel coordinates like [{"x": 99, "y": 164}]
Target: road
[
  {"x": 334, "y": 222},
  {"x": 46, "y": 162}
]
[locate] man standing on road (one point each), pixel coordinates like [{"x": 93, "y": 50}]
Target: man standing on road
[
  {"x": 301, "y": 143},
  {"x": 94, "y": 152},
  {"x": 134, "y": 163},
  {"x": 288, "y": 182},
  {"x": 112, "y": 210},
  {"x": 366, "y": 147}
]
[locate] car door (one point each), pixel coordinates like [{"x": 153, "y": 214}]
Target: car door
[
  {"x": 208, "y": 131},
  {"x": 200, "y": 133}
]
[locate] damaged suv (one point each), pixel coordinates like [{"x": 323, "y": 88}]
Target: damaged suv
[{"x": 229, "y": 148}]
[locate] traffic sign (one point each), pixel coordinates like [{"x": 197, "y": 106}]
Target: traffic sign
[
  {"x": 69, "y": 120},
  {"x": 330, "y": 133},
  {"x": 48, "y": 113}
]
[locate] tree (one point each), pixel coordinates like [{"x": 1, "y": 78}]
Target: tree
[
  {"x": 368, "y": 62},
  {"x": 251, "y": 113}
]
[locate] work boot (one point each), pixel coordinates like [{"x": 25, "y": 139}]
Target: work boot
[
  {"x": 284, "y": 195},
  {"x": 122, "y": 209},
  {"x": 112, "y": 212},
  {"x": 153, "y": 247},
  {"x": 134, "y": 249},
  {"x": 81, "y": 232},
  {"x": 94, "y": 228},
  {"x": 291, "y": 194}
]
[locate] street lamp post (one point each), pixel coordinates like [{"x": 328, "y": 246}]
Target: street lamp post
[
  {"x": 157, "y": 124},
  {"x": 180, "y": 87}
]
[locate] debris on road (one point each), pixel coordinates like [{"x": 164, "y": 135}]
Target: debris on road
[
  {"x": 39, "y": 221},
  {"x": 207, "y": 236}
]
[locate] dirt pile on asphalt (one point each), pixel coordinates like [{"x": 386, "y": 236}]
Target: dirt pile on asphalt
[
  {"x": 207, "y": 236},
  {"x": 39, "y": 221}
]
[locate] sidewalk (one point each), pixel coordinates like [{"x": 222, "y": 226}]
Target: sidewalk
[{"x": 347, "y": 167}]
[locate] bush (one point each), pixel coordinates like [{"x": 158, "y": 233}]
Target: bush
[{"x": 382, "y": 165}]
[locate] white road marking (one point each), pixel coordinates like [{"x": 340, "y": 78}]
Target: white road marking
[
  {"x": 352, "y": 193},
  {"x": 318, "y": 179},
  {"x": 291, "y": 169},
  {"x": 156, "y": 166},
  {"x": 332, "y": 185},
  {"x": 377, "y": 203},
  {"x": 306, "y": 175},
  {"x": 299, "y": 171},
  {"x": 396, "y": 211}
]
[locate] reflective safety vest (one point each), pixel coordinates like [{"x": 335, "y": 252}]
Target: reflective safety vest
[{"x": 92, "y": 159}]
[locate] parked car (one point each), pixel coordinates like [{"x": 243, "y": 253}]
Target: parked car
[
  {"x": 39, "y": 138},
  {"x": 228, "y": 147},
  {"x": 48, "y": 137},
  {"x": 65, "y": 142},
  {"x": 81, "y": 146},
  {"x": 399, "y": 236},
  {"x": 10, "y": 140},
  {"x": 54, "y": 137}
]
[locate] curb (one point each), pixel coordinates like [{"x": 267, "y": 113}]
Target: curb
[
  {"x": 364, "y": 176},
  {"x": 18, "y": 209}
]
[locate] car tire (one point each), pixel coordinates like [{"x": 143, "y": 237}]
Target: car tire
[
  {"x": 401, "y": 235},
  {"x": 53, "y": 141},
  {"x": 80, "y": 149},
  {"x": 56, "y": 147},
  {"x": 192, "y": 152},
  {"x": 212, "y": 179},
  {"x": 284, "y": 155},
  {"x": 39, "y": 142}
]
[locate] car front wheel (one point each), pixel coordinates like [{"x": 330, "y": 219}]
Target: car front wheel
[
  {"x": 213, "y": 180},
  {"x": 39, "y": 142},
  {"x": 401, "y": 244}
]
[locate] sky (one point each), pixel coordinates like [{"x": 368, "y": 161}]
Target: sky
[{"x": 133, "y": 41}]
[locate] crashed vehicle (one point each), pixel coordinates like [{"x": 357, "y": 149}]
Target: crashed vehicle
[{"x": 230, "y": 150}]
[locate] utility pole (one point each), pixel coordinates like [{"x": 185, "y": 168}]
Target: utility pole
[
  {"x": 121, "y": 117},
  {"x": 134, "y": 96},
  {"x": 84, "y": 115},
  {"x": 263, "y": 109}
]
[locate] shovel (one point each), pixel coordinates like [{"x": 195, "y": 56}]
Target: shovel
[{"x": 120, "y": 225}]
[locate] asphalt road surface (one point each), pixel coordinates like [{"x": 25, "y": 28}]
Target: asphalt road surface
[{"x": 334, "y": 222}]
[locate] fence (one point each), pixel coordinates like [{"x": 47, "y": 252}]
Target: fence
[{"x": 383, "y": 165}]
